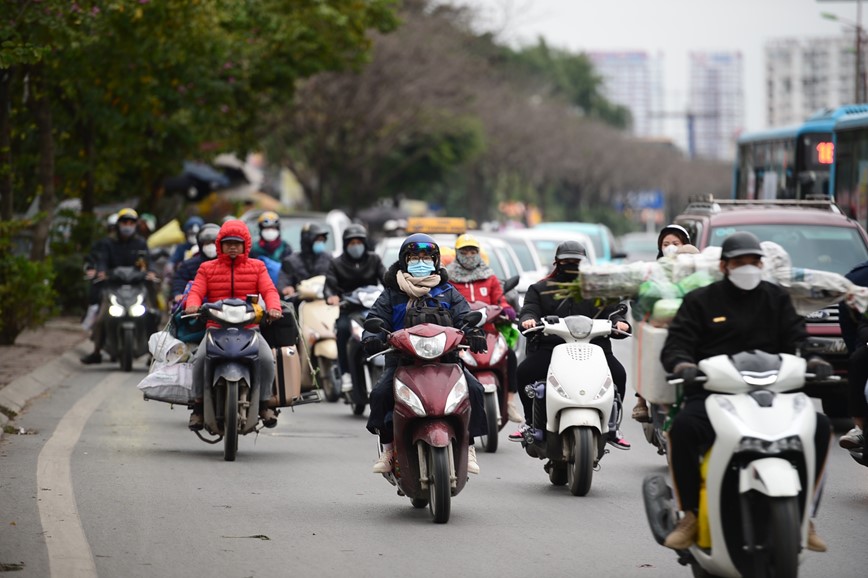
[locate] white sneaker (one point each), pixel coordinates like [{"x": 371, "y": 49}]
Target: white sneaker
[
  {"x": 472, "y": 465},
  {"x": 515, "y": 415},
  {"x": 346, "y": 383},
  {"x": 384, "y": 464},
  {"x": 853, "y": 439}
]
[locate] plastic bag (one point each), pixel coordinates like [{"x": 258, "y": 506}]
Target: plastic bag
[
  {"x": 170, "y": 383},
  {"x": 166, "y": 349}
]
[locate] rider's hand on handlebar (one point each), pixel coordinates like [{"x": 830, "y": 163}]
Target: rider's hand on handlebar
[
  {"x": 151, "y": 276},
  {"x": 475, "y": 339},
  {"x": 101, "y": 276},
  {"x": 333, "y": 300},
  {"x": 821, "y": 368},
  {"x": 288, "y": 291},
  {"x": 528, "y": 324},
  {"x": 373, "y": 345},
  {"x": 274, "y": 314},
  {"x": 686, "y": 371},
  {"x": 509, "y": 313},
  {"x": 191, "y": 310}
]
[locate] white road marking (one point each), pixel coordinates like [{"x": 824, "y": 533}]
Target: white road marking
[{"x": 69, "y": 553}]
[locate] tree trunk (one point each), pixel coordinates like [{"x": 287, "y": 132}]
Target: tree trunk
[
  {"x": 47, "y": 199},
  {"x": 6, "y": 205},
  {"x": 87, "y": 193}
]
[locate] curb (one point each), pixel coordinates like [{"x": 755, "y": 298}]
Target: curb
[{"x": 18, "y": 393}]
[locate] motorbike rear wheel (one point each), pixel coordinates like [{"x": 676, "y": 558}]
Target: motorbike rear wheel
[
  {"x": 230, "y": 422},
  {"x": 580, "y": 468},
  {"x": 328, "y": 370},
  {"x": 784, "y": 540},
  {"x": 126, "y": 349},
  {"x": 489, "y": 441},
  {"x": 439, "y": 487}
]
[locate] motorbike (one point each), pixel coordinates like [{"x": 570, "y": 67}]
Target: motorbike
[
  {"x": 758, "y": 476},
  {"x": 130, "y": 319},
  {"x": 489, "y": 367},
  {"x": 431, "y": 415},
  {"x": 578, "y": 399},
  {"x": 365, "y": 374},
  {"x": 316, "y": 320},
  {"x": 231, "y": 392}
]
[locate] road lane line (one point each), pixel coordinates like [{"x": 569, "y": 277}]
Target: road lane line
[{"x": 69, "y": 553}]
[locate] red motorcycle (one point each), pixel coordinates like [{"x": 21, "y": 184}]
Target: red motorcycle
[
  {"x": 431, "y": 415},
  {"x": 489, "y": 368}
]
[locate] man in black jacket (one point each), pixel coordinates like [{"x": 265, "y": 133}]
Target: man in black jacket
[
  {"x": 355, "y": 267},
  {"x": 310, "y": 261},
  {"x": 739, "y": 313},
  {"x": 540, "y": 302}
]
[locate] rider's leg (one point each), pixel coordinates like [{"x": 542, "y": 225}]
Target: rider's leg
[
  {"x": 534, "y": 368},
  {"x": 343, "y": 333}
]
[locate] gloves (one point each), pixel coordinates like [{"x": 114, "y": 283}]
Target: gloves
[
  {"x": 509, "y": 313},
  {"x": 821, "y": 368},
  {"x": 475, "y": 338},
  {"x": 373, "y": 345},
  {"x": 686, "y": 371}
]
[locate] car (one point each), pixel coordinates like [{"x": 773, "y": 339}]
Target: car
[
  {"x": 546, "y": 241},
  {"x": 601, "y": 236},
  {"x": 816, "y": 235},
  {"x": 522, "y": 254},
  {"x": 292, "y": 223},
  {"x": 639, "y": 246}
]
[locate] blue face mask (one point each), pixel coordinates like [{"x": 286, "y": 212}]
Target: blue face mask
[
  {"x": 356, "y": 251},
  {"x": 420, "y": 269},
  {"x": 319, "y": 247}
]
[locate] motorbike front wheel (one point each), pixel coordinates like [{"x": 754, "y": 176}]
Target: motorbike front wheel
[
  {"x": 580, "y": 469},
  {"x": 230, "y": 422},
  {"x": 126, "y": 349},
  {"x": 784, "y": 531},
  {"x": 489, "y": 441},
  {"x": 439, "y": 487},
  {"x": 328, "y": 369}
]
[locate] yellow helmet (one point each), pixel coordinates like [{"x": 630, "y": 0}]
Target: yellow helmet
[
  {"x": 128, "y": 213},
  {"x": 466, "y": 240},
  {"x": 269, "y": 219}
]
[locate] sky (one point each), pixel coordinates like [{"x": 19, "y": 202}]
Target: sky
[{"x": 673, "y": 28}]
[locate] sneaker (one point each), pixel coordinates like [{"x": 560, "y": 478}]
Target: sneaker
[
  {"x": 617, "y": 440},
  {"x": 196, "y": 422},
  {"x": 346, "y": 383},
  {"x": 514, "y": 414},
  {"x": 95, "y": 357},
  {"x": 853, "y": 439},
  {"x": 518, "y": 435},
  {"x": 640, "y": 413},
  {"x": 384, "y": 464},
  {"x": 268, "y": 417},
  {"x": 684, "y": 534},
  {"x": 815, "y": 543},
  {"x": 472, "y": 465}
]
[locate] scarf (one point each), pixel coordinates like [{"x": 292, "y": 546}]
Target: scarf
[
  {"x": 417, "y": 287},
  {"x": 270, "y": 246},
  {"x": 461, "y": 275}
]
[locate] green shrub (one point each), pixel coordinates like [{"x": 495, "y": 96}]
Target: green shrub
[{"x": 73, "y": 235}]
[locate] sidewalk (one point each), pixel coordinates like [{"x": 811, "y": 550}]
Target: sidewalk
[{"x": 39, "y": 358}]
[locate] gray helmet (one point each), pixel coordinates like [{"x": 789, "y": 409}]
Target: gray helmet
[
  {"x": 207, "y": 234},
  {"x": 570, "y": 250},
  {"x": 740, "y": 243}
]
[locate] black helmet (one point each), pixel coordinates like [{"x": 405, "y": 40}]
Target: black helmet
[
  {"x": 415, "y": 243},
  {"x": 207, "y": 234},
  {"x": 309, "y": 232},
  {"x": 739, "y": 244},
  {"x": 354, "y": 231},
  {"x": 570, "y": 250}
]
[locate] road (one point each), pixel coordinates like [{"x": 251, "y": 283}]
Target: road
[{"x": 153, "y": 500}]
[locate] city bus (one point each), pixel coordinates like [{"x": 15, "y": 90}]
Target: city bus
[
  {"x": 850, "y": 178},
  {"x": 794, "y": 162}
]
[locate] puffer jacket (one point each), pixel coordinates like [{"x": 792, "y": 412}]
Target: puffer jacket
[
  {"x": 224, "y": 278},
  {"x": 488, "y": 290}
]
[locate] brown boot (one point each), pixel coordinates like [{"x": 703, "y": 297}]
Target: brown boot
[
  {"x": 196, "y": 421},
  {"x": 815, "y": 543},
  {"x": 684, "y": 534},
  {"x": 640, "y": 412}
]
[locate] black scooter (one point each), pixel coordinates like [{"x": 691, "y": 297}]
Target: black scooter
[{"x": 129, "y": 319}]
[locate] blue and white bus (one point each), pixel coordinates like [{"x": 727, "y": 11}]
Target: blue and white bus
[
  {"x": 850, "y": 178},
  {"x": 794, "y": 162}
]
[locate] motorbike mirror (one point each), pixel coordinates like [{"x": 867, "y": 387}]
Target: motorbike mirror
[
  {"x": 373, "y": 325},
  {"x": 472, "y": 319},
  {"x": 620, "y": 310},
  {"x": 510, "y": 284}
]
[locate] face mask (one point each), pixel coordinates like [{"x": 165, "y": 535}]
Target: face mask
[
  {"x": 318, "y": 247},
  {"x": 126, "y": 230},
  {"x": 670, "y": 250},
  {"x": 356, "y": 251},
  {"x": 746, "y": 277},
  {"x": 269, "y": 234},
  {"x": 420, "y": 269},
  {"x": 469, "y": 261},
  {"x": 210, "y": 250}
]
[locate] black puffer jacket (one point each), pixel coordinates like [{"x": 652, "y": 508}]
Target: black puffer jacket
[
  {"x": 121, "y": 253},
  {"x": 300, "y": 266},
  {"x": 540, "y": 302},
  {"x": 346, "y": 274}
]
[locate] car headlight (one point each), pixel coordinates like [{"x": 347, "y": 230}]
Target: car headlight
[
  {"x": 409, "y": 398},
  {"x": 467, "y": 358},
  {"x": 457, "y": 395},
  {"x": 556, "y": 385},
  {"x": 606, "y": 385},
  {"x": 138, "y": 308},
  {"x": 115, "y": 309},
  {"x": 758, "y": 446},
  {"x": 234, "y": 314},
  {"x": 429, "y": 347},
  {"x": 500, "y": 349}
]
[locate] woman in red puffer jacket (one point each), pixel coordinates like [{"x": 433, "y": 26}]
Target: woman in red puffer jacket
[{"x": 234, "y": 275}]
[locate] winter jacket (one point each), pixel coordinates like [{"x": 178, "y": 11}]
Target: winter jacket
[
  {"x": 540, "y": 302},
  {"x": 179, "y": 252},
  {"x": 116, "y": 252},
  {"x": 302, "y": 265},
  {"x": 721, "y": 319},
  {"x": 487, "y": 290},
  {"x": 225, "y": 278},
  {"x": 260, "y": 249},
  {"x": 185, "y": 273},
  {"x": 346, "y": 274},
  {"x": 848, "y": 318}
]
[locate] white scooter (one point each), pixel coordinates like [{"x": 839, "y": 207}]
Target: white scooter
[
  {"x": 758, "y": 475},
  {"x": 580, "y": 400}
]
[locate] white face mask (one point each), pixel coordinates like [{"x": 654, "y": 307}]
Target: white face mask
[
  {"x": 746, "y": 277},
  {"x": 209, "y": 250},
  {"x": 269, "y": 234},
  {"x": 670, "y": 250}
]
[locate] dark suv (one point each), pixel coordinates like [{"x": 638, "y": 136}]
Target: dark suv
[{"x": 816, "y": 235}]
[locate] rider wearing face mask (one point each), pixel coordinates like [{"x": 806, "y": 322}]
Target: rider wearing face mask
[
  {"x": 206, "y": 241},
  {"x": 270, "y": 244},
  {"x": 416, "y": 290},
  {"x": 355, "y": 267},
  {"x": 192, "y": 226},
  {"x": 738, "y": 313},
  {"x": 540, "y": 302},
  {"x": 312, "y": 260}
]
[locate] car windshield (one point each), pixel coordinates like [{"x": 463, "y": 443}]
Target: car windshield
[
  {"x": 594, "y": 232},
  {"x": 522, "y": 251},
  {"x": 825, "y": 248},
  {"x": 545, "y": 248}
]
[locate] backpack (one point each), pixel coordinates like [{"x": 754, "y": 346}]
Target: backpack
[{"x": 422, "y": 312}]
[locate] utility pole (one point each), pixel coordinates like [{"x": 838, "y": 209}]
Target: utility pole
[{"x": 860, "y": 90}]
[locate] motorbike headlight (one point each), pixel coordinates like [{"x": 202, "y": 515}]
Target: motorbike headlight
[
  {"x": 759, "y": 446},
  {"x": 606, "y": 385},
  {"x": 457, "y": 395},
  {"x": 138, "y": 308},
  {"x": 429, "y": 347},
  {"x": 234, "y": 314},
  {"x": 409, "y": 398},
  {"x": 467, "y": 358},
  {"x": 115, "y": 309},
  {"x": 500, "y": 349},
  {"x": 556, "y": 385}
]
